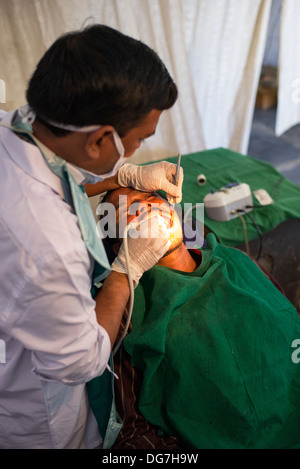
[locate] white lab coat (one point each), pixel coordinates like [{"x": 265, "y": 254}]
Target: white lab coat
[{"x": 53, "y": 343}]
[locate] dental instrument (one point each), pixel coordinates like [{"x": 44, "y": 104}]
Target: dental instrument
[
  {"x": 176, "y": 183},
  {"x": 133, "y": 225}
]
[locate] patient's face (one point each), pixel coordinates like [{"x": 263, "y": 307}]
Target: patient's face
[{"x": 132, "y": 206}]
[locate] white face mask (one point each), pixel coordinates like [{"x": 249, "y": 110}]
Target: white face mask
[
  {"x": 28, "y": 117},
  {"x": 121, "y": 150}
]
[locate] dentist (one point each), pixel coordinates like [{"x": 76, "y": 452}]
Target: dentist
[{"x": 94, "y": 96}]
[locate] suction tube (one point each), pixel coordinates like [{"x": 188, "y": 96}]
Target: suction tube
[
  {"x": 130, "y": 226},
  {"x": 131, "y": 286}
]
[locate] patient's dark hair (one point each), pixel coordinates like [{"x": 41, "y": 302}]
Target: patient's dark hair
[
  {"x": 108, "y": 241},
  {"x": 99, "y": 76},
  {"x": 103, "y": 199}
]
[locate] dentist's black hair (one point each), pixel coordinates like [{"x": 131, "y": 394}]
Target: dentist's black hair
[{"x": 99, "y": 76}]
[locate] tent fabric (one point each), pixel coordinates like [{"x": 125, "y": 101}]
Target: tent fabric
[
  {"x": 215, "y": 350},
  {"x": 213, "y": 50},
  {"x": 288, "y": 108}
]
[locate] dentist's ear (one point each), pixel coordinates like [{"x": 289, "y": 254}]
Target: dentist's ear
[
  {"x": 97, "y": 141},
  {"x": 116, "y": 248}
]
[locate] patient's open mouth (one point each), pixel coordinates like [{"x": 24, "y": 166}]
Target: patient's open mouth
[{"x": 165, "y": 214}]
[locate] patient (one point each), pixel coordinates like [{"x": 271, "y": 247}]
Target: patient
[
  {"x": 131, "y": 205},
  {"x": 212, "y": 340}
]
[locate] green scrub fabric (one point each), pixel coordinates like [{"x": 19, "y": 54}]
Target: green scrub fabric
[
  {"x": 215, "y": 347},
  {"x": 221, "y": 167}
]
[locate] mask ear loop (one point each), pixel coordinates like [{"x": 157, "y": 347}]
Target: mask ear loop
[
  {"x": 27, "y": 114},
  {"x": 28, "y": 117},
  {"x": 118, "y": 143}
]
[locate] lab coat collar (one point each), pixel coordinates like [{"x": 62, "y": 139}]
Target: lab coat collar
[{"x": 28, "y": 157}]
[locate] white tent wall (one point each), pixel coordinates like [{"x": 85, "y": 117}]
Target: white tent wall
[
  {"x": 273, "y": 35},
  {"x": 226, "y": 48},
  {"x": 288, "y": 108},
  {"x": 213, "y": 49}
]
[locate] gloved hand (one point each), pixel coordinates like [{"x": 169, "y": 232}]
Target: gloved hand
[
  {"x": 153, "y": 177},
  {"x": 147, "y": 244}
]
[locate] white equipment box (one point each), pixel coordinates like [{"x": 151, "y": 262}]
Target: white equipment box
[{"x": 222, "y": 205}]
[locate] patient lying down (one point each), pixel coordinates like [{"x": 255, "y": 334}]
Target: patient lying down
[
  {"x": 210, "y": 350},
  {"x": 131, "y": 206}
]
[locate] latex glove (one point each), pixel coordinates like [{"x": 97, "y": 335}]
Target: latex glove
[
  {"x": 153, "y": 177},
  {"x": 146, "y": 245}
]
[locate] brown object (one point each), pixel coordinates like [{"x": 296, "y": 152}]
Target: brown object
[{"x": 266, "y": 98}]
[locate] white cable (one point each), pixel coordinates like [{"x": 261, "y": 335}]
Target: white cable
[
  {"x": 199, "y": 225},
  {"x": 131, "y": 287},
  {"x": 188, "y": 212},
  {"x": 130, "y": 281},
  {"x": 238, "y": 212}
]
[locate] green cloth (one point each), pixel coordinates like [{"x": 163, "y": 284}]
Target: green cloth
[
  {"x": 215, "y": 349},
  {"x": 221, "y": 167},
  {"x": 102, "y": 402}
]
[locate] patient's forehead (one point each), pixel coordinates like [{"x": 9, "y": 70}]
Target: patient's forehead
[{"x": 131, "y": 194}]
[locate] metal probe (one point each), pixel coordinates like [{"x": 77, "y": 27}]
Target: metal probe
[{"x": 176, "y": 182}]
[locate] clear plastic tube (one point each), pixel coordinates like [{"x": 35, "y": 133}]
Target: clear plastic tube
[{"x": 132, "y": 225}]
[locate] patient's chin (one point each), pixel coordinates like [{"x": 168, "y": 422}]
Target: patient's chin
[
  {"x": 176, "y": 239},
  {"x": 174, "y": 246}
]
